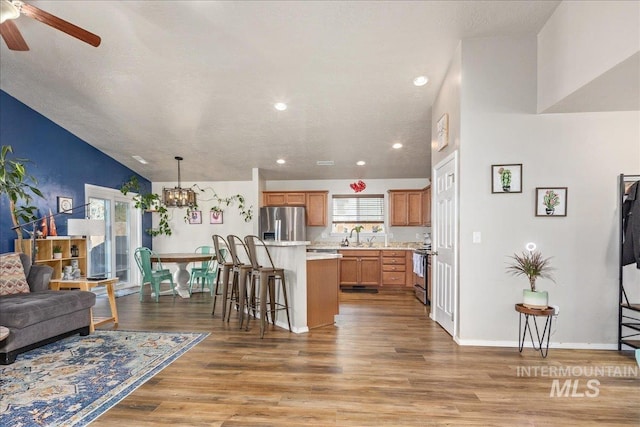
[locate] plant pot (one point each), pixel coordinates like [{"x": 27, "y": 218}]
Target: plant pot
[
  {"x": 57, "y": 255},
  {"x": 535, "y": 299}
]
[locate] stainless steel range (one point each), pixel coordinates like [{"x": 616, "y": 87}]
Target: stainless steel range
[{"x": 422, "y": 273}]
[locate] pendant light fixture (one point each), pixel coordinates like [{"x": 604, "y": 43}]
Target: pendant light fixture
[{"x": 178, "y": 197}]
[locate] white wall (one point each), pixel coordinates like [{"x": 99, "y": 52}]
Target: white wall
[
  {"x": 583, "y": 40},
  {"x": 341, "y": 186},
  {"x": 584, "y": 152},
  {"x": 186, "y": 237},
  {"x": 448, "y": 101}
]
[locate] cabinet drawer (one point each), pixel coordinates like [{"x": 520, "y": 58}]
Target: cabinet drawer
[
  {"x": 394, "y": 253},
  {"x": 393, "y": 267},
  {"x": 359, "y": 253},
  {"x": 394, "y": 260},
  {"x": 393, "y": 278}
]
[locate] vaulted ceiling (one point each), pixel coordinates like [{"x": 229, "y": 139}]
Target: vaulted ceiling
[{"x": 199, "y": 79}]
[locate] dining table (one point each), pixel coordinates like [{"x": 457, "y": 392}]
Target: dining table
[{"x": 181, "y": 275}]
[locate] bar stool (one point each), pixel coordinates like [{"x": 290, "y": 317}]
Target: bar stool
[
  {"x": 267, "y": 292},
  {"x": 224, "y": 268},
  {"x": 240, "y": 273}
]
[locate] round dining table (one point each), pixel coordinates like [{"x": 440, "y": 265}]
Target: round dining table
[{"x": 181, "y": 275}]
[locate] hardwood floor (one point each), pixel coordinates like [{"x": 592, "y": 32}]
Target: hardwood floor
[{"x": 384, "y": 363}]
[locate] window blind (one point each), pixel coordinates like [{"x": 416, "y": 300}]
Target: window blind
[{"x": 358, "y": 209}]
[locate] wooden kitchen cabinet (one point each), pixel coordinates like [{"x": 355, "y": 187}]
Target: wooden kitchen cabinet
[
  {"x": 406, "y": 207},
  {"x": 394, "y": 268},
  {"x": 284, "y": 198},
  {"x": 315, "y": 203},
  {"x": 426, "y": 206},
  {"x": 411, "y": 208},
  {"x": 360, "y": 268}
]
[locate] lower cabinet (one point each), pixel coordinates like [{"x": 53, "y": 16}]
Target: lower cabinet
[
  {"x": 394, "y": 264},
  {"x": 360, "y": 268},
  {"x": 322, "y": 292}
]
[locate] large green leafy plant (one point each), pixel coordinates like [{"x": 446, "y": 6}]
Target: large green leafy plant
[
  {"x": 20, "y": 188},
  {"x": 148, "y": 202}
]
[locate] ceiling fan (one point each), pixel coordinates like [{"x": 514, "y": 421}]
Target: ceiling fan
[{"x": 12, "y": 9}]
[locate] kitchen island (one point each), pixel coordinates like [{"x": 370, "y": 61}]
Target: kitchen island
[{"x": 293, "y": 257}]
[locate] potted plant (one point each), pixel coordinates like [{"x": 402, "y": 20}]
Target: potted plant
[
  {"x": 533, "y": 265},
  {"x": 57, "y": 252},
  {"x": 19, "y": 186}
]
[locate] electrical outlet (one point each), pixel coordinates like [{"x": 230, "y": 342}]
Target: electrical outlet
[
  {"x": 477, "y": 237},
  {"x": 557, "y": 309},
  {"x": 324, "y": 235},
  {"x": 418, "y": 235}
]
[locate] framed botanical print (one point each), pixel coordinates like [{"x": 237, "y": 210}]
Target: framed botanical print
[
  {"x": 215, "y": 217},
  {"x": 506, "y": 178},
  {"x": 551, "y": 201},
  {"x": 442, "y": 132}
]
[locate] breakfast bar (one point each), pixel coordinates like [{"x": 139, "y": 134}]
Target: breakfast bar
[{"x": 304, "y": 294}]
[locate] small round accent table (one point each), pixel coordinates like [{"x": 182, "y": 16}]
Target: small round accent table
[
  {"x": 4, "y": 333},
  {"x": 533, "y": 314}
]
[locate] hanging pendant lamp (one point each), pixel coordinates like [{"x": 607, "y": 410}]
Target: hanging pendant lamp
[{"x": 178, "y": 197}]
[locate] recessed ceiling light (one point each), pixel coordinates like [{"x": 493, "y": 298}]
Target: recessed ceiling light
[
  {"x": 361, "y": 163},
  {"x": 420, "y": 80},
  {"x": 397, "y": 145},
  {"x": 140, "y": 159},
  {"x": 281, "y": 161},
  {"x": 280, "y": 106}
]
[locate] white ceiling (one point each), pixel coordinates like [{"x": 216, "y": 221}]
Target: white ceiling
[{"x": 199, "y": 79}]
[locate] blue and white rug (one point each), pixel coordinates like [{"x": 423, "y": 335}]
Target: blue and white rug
[{"x": 73, "y": 381}]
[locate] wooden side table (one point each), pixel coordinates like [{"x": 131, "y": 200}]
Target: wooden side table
[
  {"x": 528, "y": 313},
  {"x": 86, "y": 285}
]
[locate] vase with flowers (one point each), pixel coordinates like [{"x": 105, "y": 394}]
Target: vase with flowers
[{"x": 532, "y": 265}]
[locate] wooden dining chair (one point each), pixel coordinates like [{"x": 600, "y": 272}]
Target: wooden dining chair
[{"x": 143, "y": 257}]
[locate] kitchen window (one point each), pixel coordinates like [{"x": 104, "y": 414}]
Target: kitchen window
[{"x": 352, "y": 210}]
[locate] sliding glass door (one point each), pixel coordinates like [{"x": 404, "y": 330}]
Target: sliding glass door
[{"x": 112, "y": 254}]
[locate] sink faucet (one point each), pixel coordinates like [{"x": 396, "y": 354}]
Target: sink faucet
[{"x": 357, "y": 229}]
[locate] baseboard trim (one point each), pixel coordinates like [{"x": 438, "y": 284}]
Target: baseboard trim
[{"x": 562, "y": 345}]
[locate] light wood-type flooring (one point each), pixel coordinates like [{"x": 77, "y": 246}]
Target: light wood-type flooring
[{"x": 384, "y": 363}]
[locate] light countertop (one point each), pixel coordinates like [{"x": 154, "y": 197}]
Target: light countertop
[{"x": 314, "y": 256}]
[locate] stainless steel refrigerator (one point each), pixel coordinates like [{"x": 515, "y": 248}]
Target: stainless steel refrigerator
[{"x": 286, "y": 223}]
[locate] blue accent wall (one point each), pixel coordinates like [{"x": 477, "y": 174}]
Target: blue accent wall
[{"x": 61, "y": 162}]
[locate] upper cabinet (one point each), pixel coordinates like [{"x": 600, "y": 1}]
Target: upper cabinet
[
  {"x": 315, "y": 203},
  {"x": 410, "y": 207}
]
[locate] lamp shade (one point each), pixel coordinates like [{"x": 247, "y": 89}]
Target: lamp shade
[{"x": 85, "y": 227}]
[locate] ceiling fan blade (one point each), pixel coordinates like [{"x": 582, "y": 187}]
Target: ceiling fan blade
[
  {"x": 12, "y": 36},
  {"x": 60, "y": 24}
]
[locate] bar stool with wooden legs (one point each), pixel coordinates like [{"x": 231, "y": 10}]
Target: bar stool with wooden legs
[
  {"x": 268, "y": 277},
  {"x": 222, "y": 277},
  {"x": 240, "y": 273}
]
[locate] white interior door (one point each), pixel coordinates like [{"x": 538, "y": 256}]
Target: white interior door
[{"x": 444, "y": 243}]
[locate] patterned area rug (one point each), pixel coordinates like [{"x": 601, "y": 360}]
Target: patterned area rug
[{"x": 73, "y": 381}]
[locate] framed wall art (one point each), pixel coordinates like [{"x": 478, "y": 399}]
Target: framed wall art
[
  {"x": 195, "y": 217},
  {"x": 442, "y": 131},
  {"x": 65, "y": 205},
  {"x": 215, "y": 217},
  {"x": 551, "y": 201},
  {"x": 506, "y": 178}
]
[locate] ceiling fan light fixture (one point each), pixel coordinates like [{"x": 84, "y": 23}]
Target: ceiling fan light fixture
[
  {"x": 8, "y": 10},
  {"x": 178, "y": 197}
]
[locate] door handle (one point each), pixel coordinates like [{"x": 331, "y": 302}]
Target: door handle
[{"x": 434, "y": 253}]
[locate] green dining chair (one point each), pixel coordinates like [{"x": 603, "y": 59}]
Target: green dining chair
[
  {"x": 206, "y": 273},
  {"x": 144, "y": 257}
]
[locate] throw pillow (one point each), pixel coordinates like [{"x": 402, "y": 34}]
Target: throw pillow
[{"x": 12, "y": 278}]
